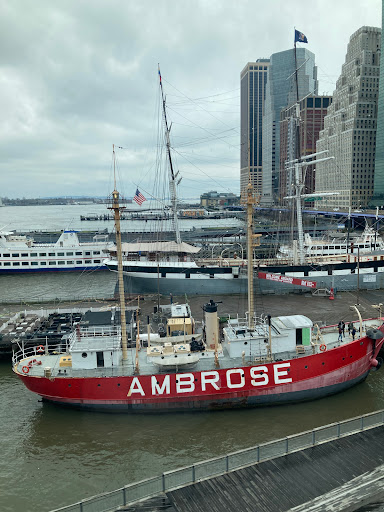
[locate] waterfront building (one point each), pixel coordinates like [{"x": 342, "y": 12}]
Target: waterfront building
[
  {"x": 378, "y": 185},
  {"x": 215, "y": 199},
  {"x": 253, "y": 80},
  {"x": 350, "y": 126},
  {"x": 312, "y": 111},
  {"x": 281, "y": 92}
]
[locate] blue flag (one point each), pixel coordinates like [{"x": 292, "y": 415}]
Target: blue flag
[{"x": 300, "y": 37}]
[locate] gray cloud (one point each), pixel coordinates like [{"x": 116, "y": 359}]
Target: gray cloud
[{"x": 76, "y": 77}]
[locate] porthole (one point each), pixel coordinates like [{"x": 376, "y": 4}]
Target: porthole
[
  {"x": 84, "y": 354},
  {"x": 305, "y": 366}
]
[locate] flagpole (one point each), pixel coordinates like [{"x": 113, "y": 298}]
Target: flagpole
[
  {"x": 297, "y": 110},
  {"x": 297, "y": 83}
]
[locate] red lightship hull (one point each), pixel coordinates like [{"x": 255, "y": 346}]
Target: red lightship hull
[{"x": 298, "y": 379}]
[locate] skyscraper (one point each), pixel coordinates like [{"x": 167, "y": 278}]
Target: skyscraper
[
  {"x": 253, "y": 81},
  {"x": 281, "y": 92},
  {"x": 378, "y": 186},
  {"x": 350, "y": 125}
]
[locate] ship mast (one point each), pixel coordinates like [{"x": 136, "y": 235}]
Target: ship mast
[
  {"x": 173, "y": 176},
  {"x": 116, "y": 210},
  {"x": 299, "y": 165},
  {"x": 252, "y": 241}
]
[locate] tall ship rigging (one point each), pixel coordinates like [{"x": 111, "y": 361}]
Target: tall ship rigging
[{"x": 166, "y": 267}]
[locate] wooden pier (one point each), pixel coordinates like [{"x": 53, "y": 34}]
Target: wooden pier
[
  {"x": 340, "y": 475},
  {"x": 337, "y": 467}
]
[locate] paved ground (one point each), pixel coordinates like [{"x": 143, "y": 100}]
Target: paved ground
[{"x": 318, "y": 309}]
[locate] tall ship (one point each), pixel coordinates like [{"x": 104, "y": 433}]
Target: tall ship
[
  {"x": 257, "y": 360},
  {"x": 21, "y": 254},
  {"x": 165, "y": 267}
]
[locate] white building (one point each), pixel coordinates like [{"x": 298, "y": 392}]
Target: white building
[{"x": 350, "y": 126}]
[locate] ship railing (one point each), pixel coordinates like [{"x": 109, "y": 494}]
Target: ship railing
[
  {"x": 26, "y": 352},
  {"x": 84, "y": 335},
  {"x": 178, "y": 478}
]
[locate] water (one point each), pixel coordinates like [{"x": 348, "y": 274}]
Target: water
[
  {"x": 27, "y": 289},
  {"x": 51, "y": 456},
  {"x": 58, "y": 217}
]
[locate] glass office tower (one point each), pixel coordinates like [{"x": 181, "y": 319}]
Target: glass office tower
[
  {"x": 280, "y": 93},
  {"x": 378, "y": 187}
]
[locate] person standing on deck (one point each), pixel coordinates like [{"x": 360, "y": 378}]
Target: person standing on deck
[{"x": 340, "y": 338}]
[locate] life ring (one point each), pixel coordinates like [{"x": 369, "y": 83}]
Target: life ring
[
  {"x": 40, "y": 349},
  {"x": 323, "y": 347},
  {"x": 25, "y": 369}
]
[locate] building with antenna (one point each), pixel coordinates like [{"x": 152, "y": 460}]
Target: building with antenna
[
  {"x": 281, "y": 92},
  {"x": 253, "y": 80},
  {"x": 349, "y": 132}
]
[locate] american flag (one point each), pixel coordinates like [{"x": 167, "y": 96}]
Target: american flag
[{"x": 138, "y": 197}]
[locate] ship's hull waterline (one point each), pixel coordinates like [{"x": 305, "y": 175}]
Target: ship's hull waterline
[
  {"x": 299, "y": 379},
  {"x": 340, "y": 281}
]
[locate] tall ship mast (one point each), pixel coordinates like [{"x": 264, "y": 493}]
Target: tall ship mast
[
  {"x": 115, "y": 207},
  {"x": 173, "y": 176}
]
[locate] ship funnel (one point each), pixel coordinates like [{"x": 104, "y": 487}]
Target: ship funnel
[{"x": 211, "y": 325}]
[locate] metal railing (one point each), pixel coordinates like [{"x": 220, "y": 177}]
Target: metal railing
[
  {"x": 170, "y": 480},
  {"x": 38, "y": 350}
]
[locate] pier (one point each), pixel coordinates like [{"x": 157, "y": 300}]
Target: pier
[
  {"x": 337, "y": 467},
  {"x": 160, "y": 215}
]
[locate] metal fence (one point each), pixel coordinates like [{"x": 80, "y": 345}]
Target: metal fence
[{"x": 171, "y": 480}]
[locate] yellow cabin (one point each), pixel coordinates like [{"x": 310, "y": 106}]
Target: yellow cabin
[{"x": 176, "y": 326}]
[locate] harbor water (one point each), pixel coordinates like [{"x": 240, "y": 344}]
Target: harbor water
[{"x": 53, "y": 456}]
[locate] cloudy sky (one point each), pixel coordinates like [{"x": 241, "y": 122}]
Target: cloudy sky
[{"x": 79, "y": 76}]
